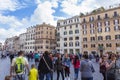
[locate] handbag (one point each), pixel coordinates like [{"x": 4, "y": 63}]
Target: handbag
[{"x": 47, "y": 65}]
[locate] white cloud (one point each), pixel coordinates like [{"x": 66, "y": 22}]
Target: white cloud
[
  {"x": 74, "y": 7},
  {"x": 6, "y": 33},
  {"x": 15, "y": 26},
  {"x": 11, "y": 21},
  {"x": 44, "y": 13},
  {"x": 10, "y": 5}
]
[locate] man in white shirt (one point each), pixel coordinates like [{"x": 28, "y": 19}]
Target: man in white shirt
[{"x": 18, "y": 66}]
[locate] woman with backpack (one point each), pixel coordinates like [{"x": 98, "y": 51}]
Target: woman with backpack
[{"x": 76, "y": 64}]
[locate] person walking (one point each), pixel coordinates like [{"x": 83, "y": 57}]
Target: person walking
[
  {"x": 59, "y": 67},
  {"x": 86, "y": 68},
  {"x": 36, "y": 57},
  {"x": 18, "y": 66},
  {"x": 33, "y": 74},
  {"x": 67, "y": 62},
  {"x": 103, "y": 65},
  {"x": 76, "y": 64},
  {"x": 45, "y": 67}
]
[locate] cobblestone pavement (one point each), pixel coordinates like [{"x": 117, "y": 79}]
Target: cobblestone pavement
[{"x": 5, "y": 68}]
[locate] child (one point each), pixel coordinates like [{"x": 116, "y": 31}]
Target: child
[
  {"x": 33, "y": 74},
  {"x": 7, "y": 78}
]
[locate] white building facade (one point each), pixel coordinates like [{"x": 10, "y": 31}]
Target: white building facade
[
  {"x": 22, "y": 41},
  {"x": 30, "y": 40},
  {"x": 0, "y": 46},
  {"x": 69, "y": 35},
  {"x": 12, "y": 44}
]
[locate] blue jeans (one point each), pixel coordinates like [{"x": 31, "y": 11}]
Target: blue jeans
[
  {"x": 76, "y": 70},
  {"x": 90, "y": 78},
  {"x": 19, "y": 77},
  {"x": 41, "y": 76}
]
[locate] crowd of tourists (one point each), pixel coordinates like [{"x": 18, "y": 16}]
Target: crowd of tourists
[{"x": 47, "y": 63}]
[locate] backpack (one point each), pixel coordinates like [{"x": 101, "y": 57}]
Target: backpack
[{"x": 19, "y": 65}]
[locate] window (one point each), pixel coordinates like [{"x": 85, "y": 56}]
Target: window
[
  {"x": 115, "y": 14},
  {"x": 77, "y": 43},
  {"x": 84, "y": 26},
  {"x": 70, "y": 26},
  {"x": 65, "y": 39},
  {"x": 107, "y": 23},
  {"x": 76, "y": 25},
  {"x": 92, "y": 45},
  {"x": 65, "y": 33},
  {"x": 77, "y": 19},
  {"x": 84, "y": 20},
  {"x": 76, "y": 38},
  {"x": 58, "y": 24},
  {"x": 117, "y": 37},
  {"x": 65, "y": 28},
  {"x": 70, "y": 38},
  {"x": 47, "y": 41},
  {"x": 91, "y": 26},
  {"x": 99, "y": 17},
  {"x": 116, "y": 28},
  {"x": 100, "y": 45},
  {"x": 65, "y": 44},
  {"x": 70, "y": 44},
  {"x": 108, "y": 37},
  {"x": 91, "y": 19},
  {"x": 92, "y": 38},
  {"x": 58, "y": 29},
  {"x": 107, "y": 29},
  {"x": 108, "y": 45},
  {"x": 85, "y": 32},
  {"x": 58, "y": 39},
  {"x": 85, "y": 39},
  {"x": 85, "y": 46},
  {"x": 70, "y": 32},
  {"x": 116, "y": 22},
  {"x": 47, "y": 47},
  {"x": 76, "y": 31},
  {"x": 92, "y": 31},
  {"x": 99, "y": 30},
  {"x": 117, "y": 44},
  {"x": 100, "y": 38},
  {"x": 106, "y": 16},
  {"x": 58, "y": 34},
  {"x": 99, "y": 24}
]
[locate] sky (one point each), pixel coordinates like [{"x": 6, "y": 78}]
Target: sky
[{"x": 17, "y": 15}]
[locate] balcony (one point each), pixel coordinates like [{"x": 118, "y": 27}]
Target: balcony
[
  {"x": 116, "y": 16},
  {"x": 106, "y": 18}
]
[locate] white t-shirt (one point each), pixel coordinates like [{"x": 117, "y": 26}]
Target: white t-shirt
[{"x": 14, "y": 60}]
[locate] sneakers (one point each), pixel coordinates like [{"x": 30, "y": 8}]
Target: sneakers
[
  {"x": 65, "y": 78},
  {"x": 68, "y": 78}
]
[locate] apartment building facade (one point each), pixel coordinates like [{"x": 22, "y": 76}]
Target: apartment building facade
[
  {"x": 45, "y": 38},
  {"x": 30, "y": 39},
  {"x": 101, "y": 31},
  {"x": 69, "y": 35},
  {"x": 12, "y": 44},
  {"x": 22, "y": 41},
  {"x": 0, "y": 46}
]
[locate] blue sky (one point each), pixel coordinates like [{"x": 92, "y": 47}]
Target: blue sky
[{"x": 17, "y": 15}]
